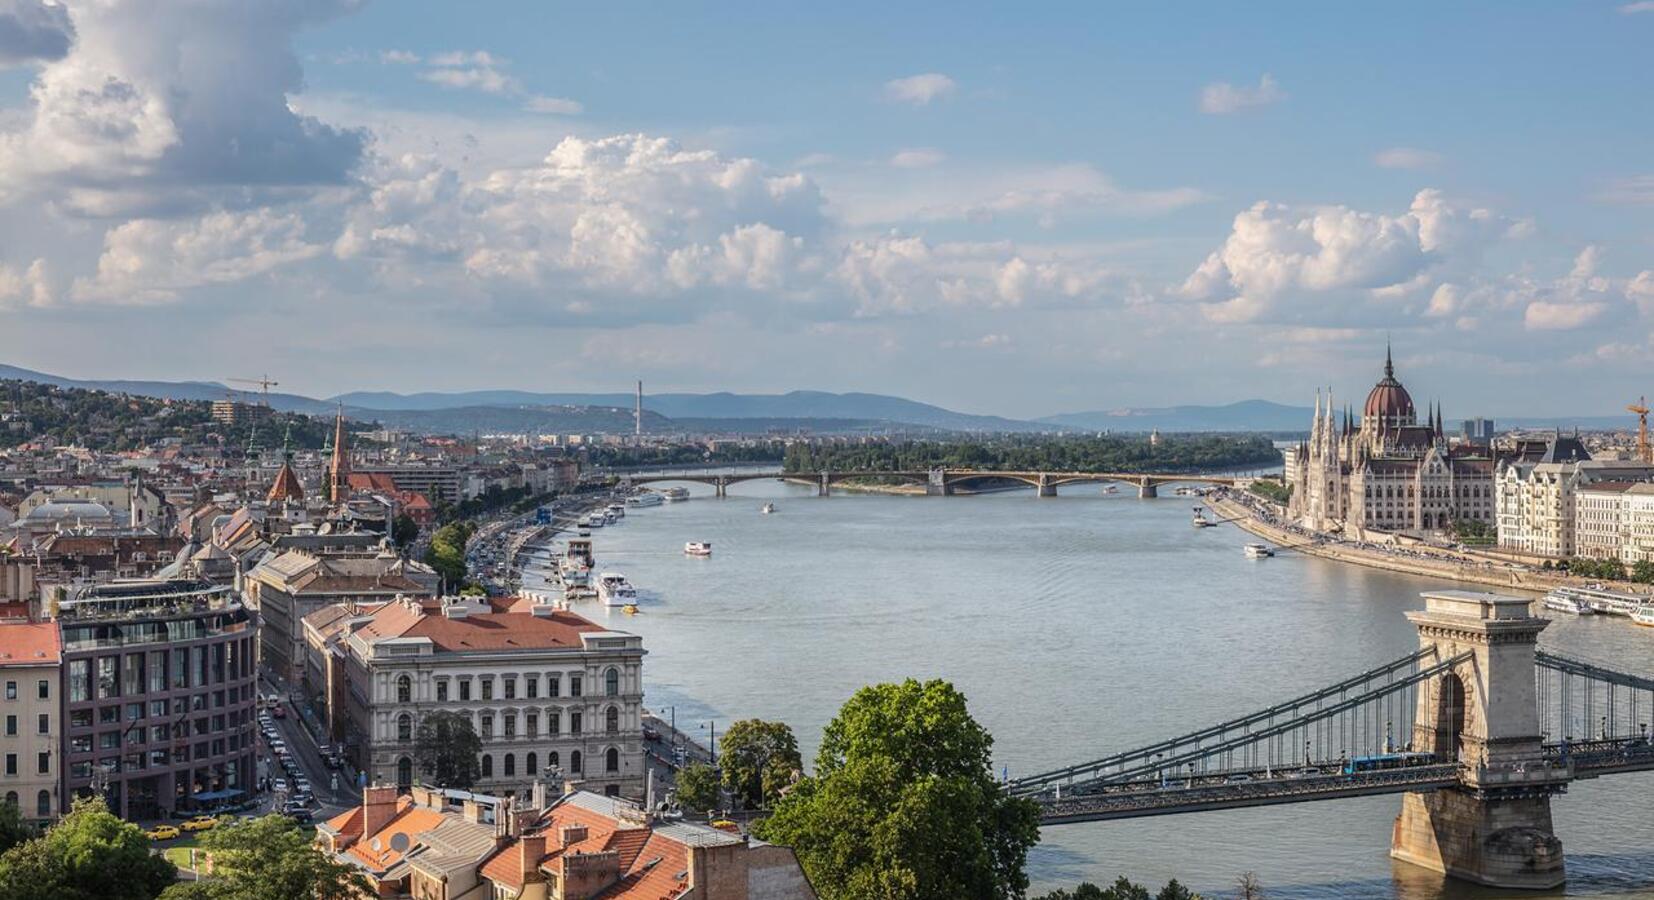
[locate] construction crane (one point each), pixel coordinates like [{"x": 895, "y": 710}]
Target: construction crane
[
  {"x": 264, "y": 383},
  {"x": 1641, "y": 409}
]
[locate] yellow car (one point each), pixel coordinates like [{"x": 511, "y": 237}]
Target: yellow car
[
  {"x": 199, "y": 823},
  {"x": 162, "y": 833}
]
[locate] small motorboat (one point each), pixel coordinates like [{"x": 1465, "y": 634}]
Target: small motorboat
[
  {"x": 629, "y": 609},
  {"x": 698, "y": 548},
  {"x": 767, "y": 508}
]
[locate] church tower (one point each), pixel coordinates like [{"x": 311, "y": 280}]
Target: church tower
[{"x": 338, "y": 473}]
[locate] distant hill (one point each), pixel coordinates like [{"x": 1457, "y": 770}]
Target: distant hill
[
  {"x": 723, "y": 406},
  {"x": 169, "y": 390},
  {"x": 1247, "y": 415}
]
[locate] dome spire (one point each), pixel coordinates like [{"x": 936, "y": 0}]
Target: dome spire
[{"x": 1389, "y": 365}]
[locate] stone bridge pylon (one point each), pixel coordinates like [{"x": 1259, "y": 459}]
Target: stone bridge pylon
[{"x": 1494, "y": 828}]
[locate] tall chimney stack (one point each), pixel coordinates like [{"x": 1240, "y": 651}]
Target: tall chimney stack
[{"x": 637, "y": 413}]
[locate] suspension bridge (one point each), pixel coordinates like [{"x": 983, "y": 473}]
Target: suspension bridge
[
  {"x": 941, "y": 481},
  {"x": 1477, "y": 730}
]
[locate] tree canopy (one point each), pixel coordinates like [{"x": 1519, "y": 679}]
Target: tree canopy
[
  {"x": 269, "y": 858},
  {"x": 759, "y": 760},
  {"x": 13, "y": 830},
  {"x": 447, "y": 552},
  {"x": 903, "y": 803},
  {"x": 448, "y": 750},
  {"x": 89, "y": 855},
  {"x": 697, "y": 787},
  {"x": 1079, "y": 453},
  {"x": 1122, "y": 889}
]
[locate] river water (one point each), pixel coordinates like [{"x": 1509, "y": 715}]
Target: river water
[{"x": 1075, "y": 625}]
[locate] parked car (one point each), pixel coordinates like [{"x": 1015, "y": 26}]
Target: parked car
[
  {"x": 199, "y": 823},
  {"x": 280, "y": 784},
  {"x": 162, "y": 833}
]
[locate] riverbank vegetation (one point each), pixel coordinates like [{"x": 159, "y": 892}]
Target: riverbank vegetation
[
  {"x": 1271, "y": 490},
  {"x": 724, "y": 453},
  {"x": 1108, "y": 453},
  {"x": 1641, "y": 572},
  {"x": 1122, "y": 889},
  {"x": 903, "y": 803}
]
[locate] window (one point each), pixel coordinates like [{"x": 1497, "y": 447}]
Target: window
[
  {"x": 554, "y": 686},
  {"x": 464, "y": 689},
  {"x": 574, "y": 762},
  {"x": 554, "y": 722},
  {"x": 487, "y": 729},
  {"x": 109, "y": 677},
  {"x": 404, "y": 773},
  {"x": 404, "y": 689},
  {"x": 510, "y": 686},
  {"x": 487, "y": 766},
  {"x": 574, "y": 685},
  {"x": 487, "y": 688},
  {"x": 133, "y": 674},
  {"x": 529, "y": 767},
  {"x": 11, "y": 726},
  {"x": 404, "y": 727},
  {"x": 442, "y": 691},
  {"x": 611, "y": 720},
  {"x": 80, "y": 744},
  {"x": 43, "y": 805},
  {"x": 11, "y": 769},
  {"x": 510, "y": 765},
  {"x": 531, "y": 724},
  {"x": 45, "y": 688},
  {"x": 611, "y": 682},
  {"x": 611, "y": 761},
  {"x": 510, "y": 726},
  {"x": 44, "y": 724},
  {"x": 531, "y": 687},
  {"x": 553, "y": 761},
  {"x": 80, "y": 718},
  {"x": 43, "y": 764},
  {"x": 157, "y": 671},
  {"x": 11, "y": 690},
  {"x": 574, "y": 721}
]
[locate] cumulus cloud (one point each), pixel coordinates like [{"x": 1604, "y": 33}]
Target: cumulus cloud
[
  {"x": 1406, "y": 158},
  {"x": 1282, "y": 261},
  {"x": 148, "y": 261},
  {"x": 479, "y": 70},
  {"x": 920, "y": 90},
  {"x": 917, "y": 158},
  {"x": 143, "y": 112},
  {"x": 905, "y": 274},
  {"x": 34, "y": 31},
  {"x": 1222, "y": 98}
]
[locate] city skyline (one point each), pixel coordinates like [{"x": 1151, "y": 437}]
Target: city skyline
[{"x": 1007, "y": 213}]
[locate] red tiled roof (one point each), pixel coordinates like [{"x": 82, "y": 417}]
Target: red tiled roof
[
  {"x": 502, "y": 631},
  {"x": 29, "y": 644}
]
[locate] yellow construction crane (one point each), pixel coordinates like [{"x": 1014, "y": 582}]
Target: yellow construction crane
[
  {"x": 264, "y": 383},
  {"x": 1641, "y": 409}
]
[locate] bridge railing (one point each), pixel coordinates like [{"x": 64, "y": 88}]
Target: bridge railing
[
  {"x": 1582, "y": 702},
  {"x": 1243, "y": 731}
]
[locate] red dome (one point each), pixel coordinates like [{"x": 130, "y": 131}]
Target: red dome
[{"x": 1389, "y": 401}]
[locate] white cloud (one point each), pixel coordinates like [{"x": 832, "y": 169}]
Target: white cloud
[
  {"x": 174, "y": 106},
  {"x": 560, "y": 106},
  {"x": 1637, "y": 190},
  {"x": 399, "y": 57},
  {"x": 1406, "y": 158},
  {"x": 917, "y": 158},
  {"x": 487, "y": 79},
  {"x": 920, "y": 90},
  {"x": 1223, "y": 98},
  {"x": 148, "y": 261},
  {"x": 479, "y": 70},
  {"x": 905, "y": 274},
  {"x": 34, "y": 31},
  {"x": 1640, "y": 6}
]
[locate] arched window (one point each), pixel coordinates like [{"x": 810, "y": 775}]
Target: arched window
[
  {"x": 611, "y": 682},
  {"x": 611, "y": 761},
  {"x": 404, "y": 774},
  {"x": 611, "y": 720},
  {"x": 574, "y": 762},
  {"x": 553, "y": 761},
  {"x": 404, "y": 689},
  {"x": 404, "y": 727},
  {"x": 529, "y": 766},
  {"x": 43, "y": 804},
  {"x": 11, "y": 798},
  {"x": 487, "y": 766},
  {"x": 510, "y": 764}
]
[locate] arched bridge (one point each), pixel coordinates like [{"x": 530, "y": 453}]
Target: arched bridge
[
  {"x": 943, "y": 481},
  {"x": 1478, "y": 729}
]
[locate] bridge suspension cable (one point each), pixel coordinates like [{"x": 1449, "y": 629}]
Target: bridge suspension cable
[
  {"x": 1288, "y": 710},
  {"x": 1581, "y": 701}
]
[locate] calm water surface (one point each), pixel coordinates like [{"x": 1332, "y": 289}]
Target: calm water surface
[{"x": 1076, "y": 626}]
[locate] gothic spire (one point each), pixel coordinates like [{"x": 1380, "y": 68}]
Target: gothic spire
[{"x": 1389, "y": 365}]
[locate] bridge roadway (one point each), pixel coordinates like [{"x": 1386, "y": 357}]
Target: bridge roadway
[{"x": 943, "y": 480}]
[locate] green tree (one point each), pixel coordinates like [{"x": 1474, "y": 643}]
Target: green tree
[
  {"x": 759, "y": 760},
  {"x": 903, "y": 803},
  {"x": 1643, "y": 571},
  {"x": 447, "y": 748},
  {"x": 1175, "y": 891},
  {"x": 89, "y": 855},
  {"x": 404, "y": 531},
  {"x": 269, "y": 858},
  {"x": 13, "y": 830},
  {"x": 697, "y": 787},
  {"x": 447, "y": 552}
]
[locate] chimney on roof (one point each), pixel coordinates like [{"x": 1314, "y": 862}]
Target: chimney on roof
[
  {"x": 571, "y": 834},
  {"x": 529, "y": 852},
  {"x": 378, "y": 808}
]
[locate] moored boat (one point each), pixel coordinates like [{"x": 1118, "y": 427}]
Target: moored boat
[
  {"x": 1258, "y": 551},
  {"x": 698, "y": 548},
  {"x": 614, "y": 590},
  {"x": 644, "y": 498},
  {"x": 1200, "y": 520},
  {"x": 1560, "y": 601},
  {"x": 1644, "y": 615},
  {"x": 675, "y": 494}
]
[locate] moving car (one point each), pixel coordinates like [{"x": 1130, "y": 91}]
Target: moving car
[
  {"x": 162, "y": 833},
  {"x": 199, "y": 823}
]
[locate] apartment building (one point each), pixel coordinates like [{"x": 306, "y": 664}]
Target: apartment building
[{"x": 30, "y": 657}]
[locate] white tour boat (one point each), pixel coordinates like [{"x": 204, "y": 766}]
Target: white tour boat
[
  {"x": 675, "y": 494},
  {"x": 646, "y": 498},
  {"x": 1568, "y": 603},
  {"x": 1644, "y": 615},
  {"x": 698, "y": 548},
  {"x": 617, "y": 510},
  {"x": 1200, "y": 520},
  {"x": 1258, "y": 551},
  {"x": 614, "y": 590}
]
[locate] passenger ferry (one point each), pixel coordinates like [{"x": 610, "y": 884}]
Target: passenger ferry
[
  {"x": 1188, "y": 492},
  {"x": 1644, "y": 615},
  {"x": 592, "y": 521},
  {"x": 610, "y": 516},
  {"x": 1603, "y": 600},
  {"x": 675, "y": 494},
  {"x": 614, "y": 590},
  {"x": 1559, "y": 601},
  {"x": 645, "y": 498},
  {"x": 1258, "y": 551},
  {"x": 617, "y": 511},
  {"x": 698, "y": 548}
]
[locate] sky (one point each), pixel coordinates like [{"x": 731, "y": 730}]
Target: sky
[{"x": 1019, "y": 209}]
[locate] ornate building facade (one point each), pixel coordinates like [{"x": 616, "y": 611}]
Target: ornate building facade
[{"x": 1384, "y": 471}]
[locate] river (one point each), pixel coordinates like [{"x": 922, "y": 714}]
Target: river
[{"x": 1075, "y": 625}]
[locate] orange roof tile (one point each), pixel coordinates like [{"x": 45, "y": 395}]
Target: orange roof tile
[
  {"x": 29, "y": 644},
  {"x": 409, "y": 820}
]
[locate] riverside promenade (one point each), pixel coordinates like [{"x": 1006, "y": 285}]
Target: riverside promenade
[{"x": 1251, "y": 515}]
